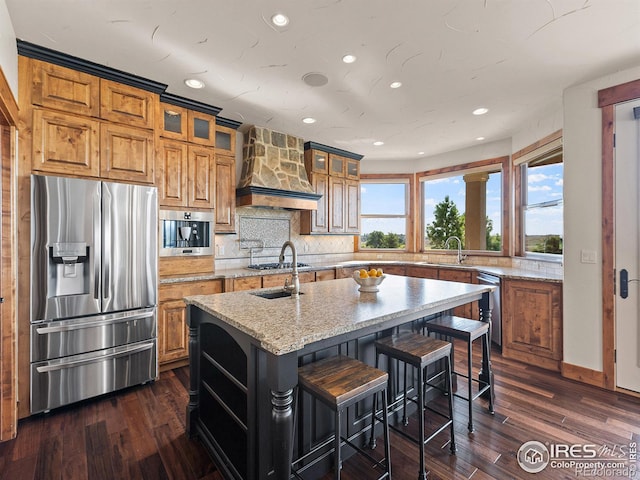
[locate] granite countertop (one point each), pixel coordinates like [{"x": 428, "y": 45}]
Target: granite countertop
[
  {"x": 502, "y": 272},
  {"x": 327, "y": 309}
]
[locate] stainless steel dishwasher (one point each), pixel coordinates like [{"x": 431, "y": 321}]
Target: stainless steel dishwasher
[{"x": 494, "y": 302}]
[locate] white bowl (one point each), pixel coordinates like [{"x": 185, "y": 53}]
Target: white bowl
[{"x": 368, "y": 285}]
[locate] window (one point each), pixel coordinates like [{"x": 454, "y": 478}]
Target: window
[
  {"x": 384, "y": 213},
  {"x": 465, "y": 203},
  {"x": 542, "y": 205}
]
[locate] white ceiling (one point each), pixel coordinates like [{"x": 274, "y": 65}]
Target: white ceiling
[{"x": 514, "y": 57}]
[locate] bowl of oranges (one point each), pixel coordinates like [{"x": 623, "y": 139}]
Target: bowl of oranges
[{"x": 368, "y": 279}]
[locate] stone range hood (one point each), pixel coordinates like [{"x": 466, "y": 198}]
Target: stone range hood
[{"x": 273, "y": 172}]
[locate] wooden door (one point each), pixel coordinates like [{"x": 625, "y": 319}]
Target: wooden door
[
  {"x": 627, "y": 245},
  {"x": 126, "y": 153},
  {"x": 225, "y": 196},
  {"x": 65, "y": 143},
  {"x": 202, "y": 170},
  {"x": 172, "y": 173}
]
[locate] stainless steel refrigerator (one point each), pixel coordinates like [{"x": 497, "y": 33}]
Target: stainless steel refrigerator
[{"x": 94, "y": 251}]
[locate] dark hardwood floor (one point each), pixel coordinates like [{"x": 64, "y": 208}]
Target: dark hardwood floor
[{"x": 140, "y": 433}]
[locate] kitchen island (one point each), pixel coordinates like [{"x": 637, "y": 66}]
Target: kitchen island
[{"x": 245, "y": 350}]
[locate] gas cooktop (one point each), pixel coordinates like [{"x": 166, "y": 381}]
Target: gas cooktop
[{"x": 274, "y": 266}]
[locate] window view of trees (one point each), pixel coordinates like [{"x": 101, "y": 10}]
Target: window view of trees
[
  {"x": 467, "y": 205},
  {"x": 378, "y": 239},
  {"x": 383, "y": 218},
  {"x": 543, "y": 206},
  {"x": 449, "y": 222}
]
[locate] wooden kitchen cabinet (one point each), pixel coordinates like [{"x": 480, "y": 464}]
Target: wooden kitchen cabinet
[
  {"x": 64, "y": 89},
  {"x": 337, "y": 179},
  {"x": 201, "y": 170},
  {"x": 225, "y": 140},
  {"x": 126, "y": 153},
  {"x": 225, "y": 193},
  {"x": 322, "y": 275},
  {"x": 279, "y": 279},
  {"x": 127, "y": 105},
  {"x": 316, "y": 161},
  {"x": 390, "y": 269},
  {"x": 422, "y": 272},
  {"x": 173, "y": 331},
  {"x": 532, "y": 322},
  {"x": 201, "y": 128},
  {"x": 352, "y": 207},
  {"x": 185, "y": 175},
  {"x": 469, "y": 310},
  {"x": 172, "y": 173},
  {"x": 247, "y": 283},
  {"x": 65, "y": 143},
  {"x": 317, "y": 221},
  {"x": 337, "y": 203},
  {"x": 173, "y": 122},
  {"x": 179, "y": 123}
]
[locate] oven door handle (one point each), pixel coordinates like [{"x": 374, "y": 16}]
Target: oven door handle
[
  {"x": 101, "y": 322},
  {"x": 77, "y": 363}
]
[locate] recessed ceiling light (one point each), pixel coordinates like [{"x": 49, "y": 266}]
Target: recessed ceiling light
[
  {"x": 349, "y": 58},
  {"x": 480, "y": 111},
  {"x": 420, "y": 153},
  {"x": 378, "y": 143},
  {"x": 280, "y": 20},
  {"x": 479, "y": 138},
  {"x": 194, "y": 83},
  {"x": 395, "y": 84},
  {"x": 308, "y": 120}
]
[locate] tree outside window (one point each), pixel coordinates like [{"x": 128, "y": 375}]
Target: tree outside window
[{"x": 383, "y": 218}]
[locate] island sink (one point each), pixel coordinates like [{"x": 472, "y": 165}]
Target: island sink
[{"x": 272, "y": 295}]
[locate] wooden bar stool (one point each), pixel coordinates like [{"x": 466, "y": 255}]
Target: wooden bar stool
[
  {"x": 340, "y": 382},
  {"x": 420, "y": 351},
  {"x": 468, "y": 330}
]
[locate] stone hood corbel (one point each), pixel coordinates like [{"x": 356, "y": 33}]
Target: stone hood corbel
[{"x": 273, "y": 172}]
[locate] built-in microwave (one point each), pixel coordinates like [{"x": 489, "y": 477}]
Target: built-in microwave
[{"x": 185, "y": 233}]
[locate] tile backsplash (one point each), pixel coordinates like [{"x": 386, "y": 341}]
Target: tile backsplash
[{"x": 270, "y": 226}]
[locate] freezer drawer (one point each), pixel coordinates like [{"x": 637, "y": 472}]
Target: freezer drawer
[
  {"x": 61, "y": 338},
  {"x": 71, "y": 379}
]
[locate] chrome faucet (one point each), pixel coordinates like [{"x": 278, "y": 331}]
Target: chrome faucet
[
  {"x": 294, "y": 286},
  {"x": 461, "y": 257}
]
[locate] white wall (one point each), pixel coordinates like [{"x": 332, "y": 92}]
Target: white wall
[
  {"x": 472, "y": 154},
  {"x": 8, "y": 49},
  {"x": 582, "y": 298}
]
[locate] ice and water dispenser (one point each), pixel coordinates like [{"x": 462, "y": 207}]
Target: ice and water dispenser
[{"x": 69, "y": 269}]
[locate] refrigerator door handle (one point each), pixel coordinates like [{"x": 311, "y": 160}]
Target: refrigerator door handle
[
  {"x": 96, "y": 246},
  {"x": 98, "y": 358},
  {"x": 107, "y": 201},
  {"x": 101, "y": 321}
]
